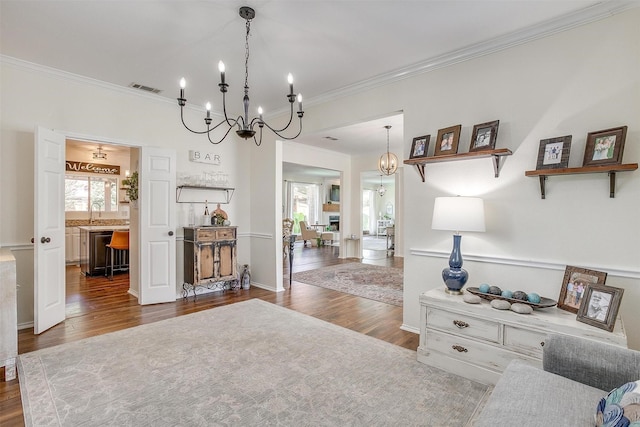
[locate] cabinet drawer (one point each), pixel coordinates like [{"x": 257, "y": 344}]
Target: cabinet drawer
[
  {"x": 524, "y": 341},
  {"x": 473, "y": 352},
  {"x": 463, "y": 325},
  {"x": 211, "y": 234},
  {"x": 226, "y": 233}
]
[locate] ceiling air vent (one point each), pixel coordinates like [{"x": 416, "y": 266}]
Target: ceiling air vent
[{"x": 145, "y": 88}]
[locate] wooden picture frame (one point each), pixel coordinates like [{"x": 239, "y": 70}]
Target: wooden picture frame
[
  {"x": 420, "y": 147},
  {"x": 484, "y": 136},
  {"x": 447, "y": 141},
  {"x": 600, "y": 306},
  {"x": 574, "y": 284},
  {"x": 605, "y": 147},
  {"x": 554, "y": 153}
]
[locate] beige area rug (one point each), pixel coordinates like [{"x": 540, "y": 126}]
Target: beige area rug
[
  {"x": 247, "y": 364},
  {"x": 384, "y": 284}
]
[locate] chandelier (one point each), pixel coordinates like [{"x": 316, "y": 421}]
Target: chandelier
[
  {"x": 388, "y": 163},
  {"x": 99, "y": 155},
  {"x": 381, "y": 189},
  {"x": 245, "y": 127}
]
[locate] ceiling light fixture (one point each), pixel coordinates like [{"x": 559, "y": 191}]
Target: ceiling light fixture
[
  {"x": 388, "y": 163},
  {"x": 245, "y": 128},
  {"x": 99, "y": 155},
  {"x": 381, "y": 189}
]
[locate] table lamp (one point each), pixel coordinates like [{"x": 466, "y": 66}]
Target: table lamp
[{"x": 457, "y": 214}]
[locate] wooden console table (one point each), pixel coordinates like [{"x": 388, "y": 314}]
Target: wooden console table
[
  {"x": 210, "y": 259},
  {"x": 478, "y": 342}
]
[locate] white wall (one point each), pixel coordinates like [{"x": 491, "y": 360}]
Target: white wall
[
  {"x": 78, "y": 107},
  {"x": 574, "y": 82}
]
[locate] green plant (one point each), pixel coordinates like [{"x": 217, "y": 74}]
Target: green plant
[{"x": 132, "y": 186}]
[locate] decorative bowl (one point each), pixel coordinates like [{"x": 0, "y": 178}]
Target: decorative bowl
[{"x": 544, "y": 302}]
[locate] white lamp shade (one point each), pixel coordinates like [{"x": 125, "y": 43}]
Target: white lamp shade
[{"x": 458, "y": 214}]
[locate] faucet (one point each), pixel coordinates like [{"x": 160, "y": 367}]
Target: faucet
[{"x": 91, "y": 211}]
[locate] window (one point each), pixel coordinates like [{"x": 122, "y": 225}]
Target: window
[
  {"x": 304, "y": 202},
  {"x": 82, "y": 192}
]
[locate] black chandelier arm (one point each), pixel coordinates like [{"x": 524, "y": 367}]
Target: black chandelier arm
[
  {"x": 221, "y": 139},
  {"x": 209, "y": 129},
  {"x": 288, "y": 124},
  {"x": 258, "y": 143},
  {"x": 230, "y": 123},
  {"x": 277, "y": 131}
]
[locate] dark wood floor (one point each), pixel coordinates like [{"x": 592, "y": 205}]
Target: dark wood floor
[{"x": 96, "y": 306}]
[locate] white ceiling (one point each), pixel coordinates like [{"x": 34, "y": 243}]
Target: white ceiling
[{"x": 331, "y": 47}]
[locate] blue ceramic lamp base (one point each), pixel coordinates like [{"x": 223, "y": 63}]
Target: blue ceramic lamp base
[{"x": 455, "y": 277}]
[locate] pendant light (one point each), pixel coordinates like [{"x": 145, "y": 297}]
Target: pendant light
[
  {"x": 388, "y": 163},
  {"x": 381, "y": 190}
]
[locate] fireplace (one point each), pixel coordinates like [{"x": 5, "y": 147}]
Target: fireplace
[{"x": 334, "y": 222}]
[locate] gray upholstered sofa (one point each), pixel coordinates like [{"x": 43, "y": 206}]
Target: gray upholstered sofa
[{"x": 577, "y": 373}]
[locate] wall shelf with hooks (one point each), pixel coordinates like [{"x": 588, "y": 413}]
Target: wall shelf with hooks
[
  {"x": 228, "y": 193},
  {"x": 608, "y": 169},
  {"x": 496, "y": 156}
]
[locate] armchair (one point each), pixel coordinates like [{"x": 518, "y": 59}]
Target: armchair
[{"x": 308, "y": 233}]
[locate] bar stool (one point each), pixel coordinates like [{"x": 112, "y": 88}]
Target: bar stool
[{"x": 119, "y": 245}]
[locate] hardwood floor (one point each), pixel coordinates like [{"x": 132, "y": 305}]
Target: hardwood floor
[{"x": 97, "y": 306}]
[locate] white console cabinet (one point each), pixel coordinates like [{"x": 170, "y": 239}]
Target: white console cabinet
[{"x": 478, "y": 342}]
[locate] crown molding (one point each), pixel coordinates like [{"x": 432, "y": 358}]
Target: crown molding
[
  {"x": 602, "y": 10},
  {"x": 566, "y": 22}
]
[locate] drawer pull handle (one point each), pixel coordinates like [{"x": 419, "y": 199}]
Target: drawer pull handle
[
  {"x": 460, "y": 324},
  {"x": 459, "y": 348}
]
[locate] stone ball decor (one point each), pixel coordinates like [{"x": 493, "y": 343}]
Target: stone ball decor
[
  {"x": 507, "y": 293},
  {"x": 495, "y": 290},
  {"x": 471, "y": 299},
  {"x": 520, "y": 295},
  {"x": 500, "y": 304},
  {"x": 521, "y": 308},
  {"x": 484, "y": 288},
  {"x": 533, "y": 297}
]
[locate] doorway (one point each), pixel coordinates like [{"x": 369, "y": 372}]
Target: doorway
[
  {"x": 94, "y": 200},
  {"x": 378, "y": 214}
]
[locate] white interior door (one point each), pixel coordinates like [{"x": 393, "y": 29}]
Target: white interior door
[
  {"x": 49, "y": 231},
  {"x": 157, "y": 186}
]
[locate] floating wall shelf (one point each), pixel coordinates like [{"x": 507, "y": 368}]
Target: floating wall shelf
[
  {"x": 228, "y": 192},
  {"x": 496, "y": 155},
  {"x": 609, "y": 169}
]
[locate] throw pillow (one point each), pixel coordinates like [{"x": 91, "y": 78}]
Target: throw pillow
[{"x": 621, "y": 407}]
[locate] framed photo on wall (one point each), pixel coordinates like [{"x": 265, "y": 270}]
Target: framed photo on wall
[
  {"x": 600, "y": 306},
  {"x": 574, "y": 285},
  {"x": 484, "y": 136},
  {"x": 420, "y": 147},
  {"x": 554, "y": 153},
  {"x": 447, "y": 141},
  {"x": 605, "y": 147}
]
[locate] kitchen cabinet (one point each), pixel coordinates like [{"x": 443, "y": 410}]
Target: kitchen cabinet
[
  {"x": 72, "y": 245},
  {"x": 210, "y": 259},
  {"x": 93, "y": 241}
]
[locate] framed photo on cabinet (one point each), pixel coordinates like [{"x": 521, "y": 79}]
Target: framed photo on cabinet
[
  {"x": 605, "y": 147},
  {"x": 600, "y": 306},
  {"x": 420, "y": 147},
  {"x": 484, "y": 136},
  {"x": 554, "y": 153},
  {"x": 574, "y": 285},
  {"x": 447, "y": 141}
]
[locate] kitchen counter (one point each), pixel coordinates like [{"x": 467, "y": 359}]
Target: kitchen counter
[
  {"x": 91, "y": 228},
  {"x": 93, "y": 241}
]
